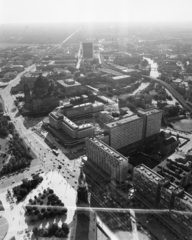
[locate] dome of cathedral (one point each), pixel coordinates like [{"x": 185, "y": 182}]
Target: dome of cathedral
[{"x": 41, "y": 82}]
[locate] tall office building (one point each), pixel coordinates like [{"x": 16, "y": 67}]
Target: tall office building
[
  {"x": 125, "y": 131},
  {"x": 113, "y": 164},
  {"x": 87, "y": 48},
  {"x": 151, "y": 121}
]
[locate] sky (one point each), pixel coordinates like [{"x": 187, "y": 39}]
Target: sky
[{"x": 51, "y": 11}]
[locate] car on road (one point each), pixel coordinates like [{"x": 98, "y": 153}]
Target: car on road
[{"x": 55, "y": 152}]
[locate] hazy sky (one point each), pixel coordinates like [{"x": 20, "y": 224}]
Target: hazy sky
[{"x": 45, "y": 11}]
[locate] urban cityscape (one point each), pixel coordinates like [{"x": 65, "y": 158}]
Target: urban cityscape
[{"x": 95, "y": 122}]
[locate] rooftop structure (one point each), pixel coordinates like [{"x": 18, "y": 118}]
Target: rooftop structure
[
  {"x": 68, "y": 84},
  {"x": 178, "y": 173},
  {"x": 121, "y": 79},
  {"x": 110, "y": 72}
]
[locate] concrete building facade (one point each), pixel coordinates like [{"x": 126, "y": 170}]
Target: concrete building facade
[
  {"x": 151, "y": 121},
  {"x": 106, "y": 158},
  {"x": 156, "y": 191},
  {"x": 87, "y": 48},
  {"x": 59, "y": 121},
  {"x": 125, "y": 131}
]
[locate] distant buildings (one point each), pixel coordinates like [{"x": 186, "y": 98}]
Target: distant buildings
[
  {"x": 113, "y": 165},
  {"x": 68, "y": 84},
  {"x": 42, "y": 98},
  {"x": 155, "y": 191},
  {"x": 71, "y": 111},
  {"x": 87, "y": 48},
  {"x": 121, "y": 79}
]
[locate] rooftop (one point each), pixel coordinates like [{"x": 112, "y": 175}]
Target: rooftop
[
  {"x": 65, "y": 84},
  {"x": 149, "y": 111},
  {"x": 109, "y": 150},
  {"x": 70, "y": 123},
  {"x": 116, "y": 78},
  {"x": 122, "y": 121},
  {"x": 150, "y": 173}
]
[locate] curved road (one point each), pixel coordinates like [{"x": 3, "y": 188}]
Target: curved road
[{"x": 179, "y": 98}]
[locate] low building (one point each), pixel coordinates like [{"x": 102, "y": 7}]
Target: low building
[
  {"x": 168, "y": 146},
  {"x": 121, "y": 79},
  {"x": 105, "y": 117},
  {"x": 68, "y": 84},
  {"x": 177, "y": 172}
]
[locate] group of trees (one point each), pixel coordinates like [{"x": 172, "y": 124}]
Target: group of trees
[
  {"x": 17, "y": 148},
  {"x": 52, "y": 231},
  {"x": 49, "y": 205},
  {"x": 22, "y": 190},
  {"x": 14, "y": 165},
  {"x": 6, "y": 127},
  {"x": 20, "y": 155},
  {"x": 172, "y": 111}
]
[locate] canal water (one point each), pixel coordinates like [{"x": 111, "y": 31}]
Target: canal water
[
  {"x": 184, "y": 125},
  {"x": 154, "y": 72}
]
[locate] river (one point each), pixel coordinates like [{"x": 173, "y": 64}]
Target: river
[{"x": 154, "y": 72}]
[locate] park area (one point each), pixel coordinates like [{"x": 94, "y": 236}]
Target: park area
[{"x": 21, "y": 226}]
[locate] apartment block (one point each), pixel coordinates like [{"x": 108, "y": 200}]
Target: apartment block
[
  {"x": 125, "y": 131},
  {"x": 159, "y": 192},
  {"x": 106, "y": 158}
]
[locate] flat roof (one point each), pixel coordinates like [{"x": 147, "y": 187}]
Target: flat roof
[
  {"x": 149, "y": 111},
  {"x": 149, "y": 173},
  {"x": 123, "y": 121},
  {"x": 109, "y": 150},
  {"x": 121, "y": 77},
  {"x": 110, "y": 71},
  {"x": 56, "y": 115},
  {"x": 70, "y": 123},
  {"x": 63, "y": 83}
]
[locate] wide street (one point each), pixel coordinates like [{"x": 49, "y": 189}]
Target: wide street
[{"x": 46, "y": 160}]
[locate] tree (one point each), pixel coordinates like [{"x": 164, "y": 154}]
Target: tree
[
  {"x": 53, "y": 228},
  {"x": 65, "y": 228},
  {"x": 35, "y": 232}
]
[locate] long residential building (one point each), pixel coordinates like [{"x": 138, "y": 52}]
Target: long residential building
[
  {"x": 125, "y": 131},
  {"x": 106, "y": 158},
  {"x": 73, "y": 111},
  {"x": 156, "y": 191}
]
